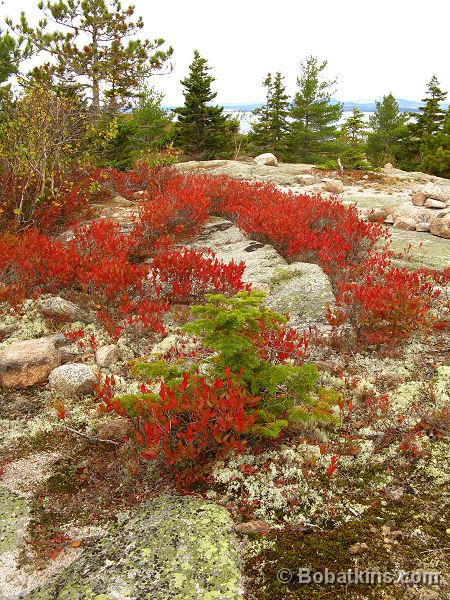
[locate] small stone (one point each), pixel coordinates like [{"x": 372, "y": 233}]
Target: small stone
[
  {"x": 73, "y": 379},
  {"x": 116, "y": 429},
  {"x": 423, "y": 227},
  {"x": 358, "y": 548},
  {"x": 106, "y": 356},
  {"x": 335, "y": 186},
  {"x": 388, "y": 166},
  {"x": 394, "y": 494},
  {"x": 431, "y": 203},
  {"x": 406, "y": 223},
  {"x": 55, "y": 307},
  {"x": 389, "y": 220},
  {"x": 140, "y": 195},
  {"x": 418, "y": 198},
  {"x": 252, "y": 528},
  {"x": 268, "y": 159},
  {"x": 377, "y": 215}
]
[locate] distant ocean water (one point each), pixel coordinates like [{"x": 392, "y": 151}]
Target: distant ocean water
[{"x": 246, "y": 118}]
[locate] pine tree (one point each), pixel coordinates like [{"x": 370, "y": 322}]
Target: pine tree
[
  {"x": 431, "y": 115},
  {"x": 353, "y": 136},
  {"x": 269, "y": 131},
  {"x": 201, "y": 130},
  {"x": 94, "y": 51},
  {"x": 436, "y": 151},
  {"x": 387, "y": 128},
  {"x": 314, "y": 131}
]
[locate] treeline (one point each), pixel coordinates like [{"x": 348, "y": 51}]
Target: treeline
[{"x": 89, "y": 101}]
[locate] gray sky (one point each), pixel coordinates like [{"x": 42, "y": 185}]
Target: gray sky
[{"x": 372, "y": 47}]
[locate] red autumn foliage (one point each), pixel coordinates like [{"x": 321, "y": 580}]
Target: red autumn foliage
[{"x": 190, "y": 422}]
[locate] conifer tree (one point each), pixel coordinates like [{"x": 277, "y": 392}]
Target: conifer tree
[
  {"x": 202, "y": 130},
  {"x": 314, "y": 131},
  {"x": 269, "y": 131},
  {"x": 387, "y": 128},
  {"x": 436, "y": 151},
  {"x": 431, "y": 114},
  {"x": 94, "y": 48},
  {"x": 353, "y": 133}
]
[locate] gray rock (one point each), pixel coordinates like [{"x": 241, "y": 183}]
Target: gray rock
[
  {"x": 422, "y": 226},
  {"x": 172, "y": 547},
  {"x": 73, "y": 379},
  {"x": 56, "y": 307},
  {"x": 303, "y": 291},
  {"x": 228, "y": 243},
  {"x": 431, "y": 203},
  {"x": 268, "y": 159},
  {"x": 305, "y": 179},
  {"x": 106, "y": 356},
  {"x": 436, "y": 192},
  {"x": 27, "y": 363}
]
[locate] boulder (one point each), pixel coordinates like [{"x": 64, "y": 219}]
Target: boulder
[
  {"x": 423, "y": 227},
  {"x": 441, "y": 226},
  {"x": 409, "y": 211},
  {"x": 268, "y": 159},
  {"x": 436, "y": 192},
  {"x": 431, "y": 203},
  {"x": 388, "y": 167},
  {"x": 106, "y": 356},
  {"x": 56, "y": 307},
  {"x": 30, "y": 362},
  {"x": 170, "y": 547},
  {"x": 335, "y": 186},
  {"x": 406, "y": 223},
  {"x": 379, "y": 214},
  {"x": 73, "y": 379},
  {"x": 389, "y": 220},
  {"x": 418, "y": 198}
]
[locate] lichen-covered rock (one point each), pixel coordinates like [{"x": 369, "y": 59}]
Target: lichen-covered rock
[
  {"x": 304, "y": 291},
  {"x": 173, "y": 547},
  {"x": 73, "y": 379},
  {"x": 56, "y": 307},
  {"x": 268, "y": 159},
  {"x": 12, "y": 517},
  {"x": 106, "y": 356},
  {"x": 305, "y": 179},
  {"x": 422, "y": 227},
  {"x": 116, "y": 429},
  {"x": 27, "y": 363}
]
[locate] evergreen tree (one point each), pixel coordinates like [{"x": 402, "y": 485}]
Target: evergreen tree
[
  {"x": 431, "y": 115},
  {"x": 387, "y": 128},
  {"x": 93, "y": 50},
  {"x": 353, "y": 136},
  {"x": 314, "y": 131},
  {"x": 269, "y": 131},
  {"x": 436, "y": 151},
  {"x": 201, "y": 130}
]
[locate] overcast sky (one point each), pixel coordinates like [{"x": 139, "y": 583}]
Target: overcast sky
[{"x": 372, "y": 47}]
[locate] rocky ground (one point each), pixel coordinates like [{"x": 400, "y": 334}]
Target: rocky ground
[{"x": 80, "y": 519}]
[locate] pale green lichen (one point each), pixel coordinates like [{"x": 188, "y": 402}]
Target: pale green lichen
[
  {"x": 13, "y": 515},
  {"x": 173, "y": 547}
]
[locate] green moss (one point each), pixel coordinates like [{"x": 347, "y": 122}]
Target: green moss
[
  {"x": 390, "y": 534},
  {"x": 12, "y": 517}
]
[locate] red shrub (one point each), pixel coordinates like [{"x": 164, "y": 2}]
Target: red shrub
[
  {"x": 189, "y": 274},
  {"x": 192, "y": 421}
]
